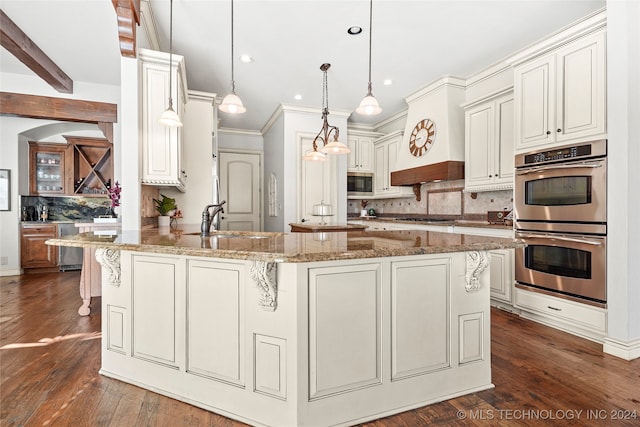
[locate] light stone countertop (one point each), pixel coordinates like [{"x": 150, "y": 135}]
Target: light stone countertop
[{"x": 287, "y": 247}]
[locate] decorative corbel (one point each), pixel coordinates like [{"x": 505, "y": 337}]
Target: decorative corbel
[
  {"x": 416, "y": 191},
  {"x": 477, "y": 262},
  {"x": 110, "y": 259},
  {"x": 264, "y": 274}
]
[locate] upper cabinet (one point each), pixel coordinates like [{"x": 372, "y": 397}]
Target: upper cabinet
[
  {"x": 489, "y": 135},
  {"x": 48, "y": 169},
  {"x": 361, "y": 157},
  {"x": 92, "y": 165},
  {"x": 162, "y": 156},
  {"x": 385, "y": 157},
  {"x": 560, "y": 96},
  {"x": 83, "y": 166}
]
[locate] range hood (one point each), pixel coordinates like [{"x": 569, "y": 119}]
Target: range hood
[
  {"x": 443, "y": 171},
  {"x": 440, "y": 103}
]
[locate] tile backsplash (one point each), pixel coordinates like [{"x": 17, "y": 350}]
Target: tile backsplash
[
  {"x": 67, "y": 208},
  {"x": 441, "y": 198}
]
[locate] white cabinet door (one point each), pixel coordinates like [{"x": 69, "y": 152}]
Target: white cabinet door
[
  {"x": 505, "y": 170},
  {"x": 535, "y": 95},
  {"x": 385, "y": 157},
  {"x": 501, "y": 274},
  {"x": 489, "y": 144},
  {"x": 561, "y": 96},
  {"x": 580, "y": 102},
  {"x": 479, "y": 145},
  {"x": 162, "y": 145},
  {"x": 361, "y": 157}
]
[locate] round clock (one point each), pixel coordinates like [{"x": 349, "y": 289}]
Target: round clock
[{"x": 422, "y": 137}]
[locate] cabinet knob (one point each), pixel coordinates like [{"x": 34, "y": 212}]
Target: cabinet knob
[
  {"x": 184, "y": 173},
  {"x": 559, "y": 130},
  {"x": 548, "y": 132}
]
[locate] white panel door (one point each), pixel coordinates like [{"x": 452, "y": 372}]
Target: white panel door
[{"x": 240, "y": 184}]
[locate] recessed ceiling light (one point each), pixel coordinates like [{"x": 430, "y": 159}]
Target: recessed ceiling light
[
  {"x": 388, "y": 82},
  {"x": 246, "y": 58},
  {"x": 354, "y": 30},
  {"x": 298, "y": 97}
]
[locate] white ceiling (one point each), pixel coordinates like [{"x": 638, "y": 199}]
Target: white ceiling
[{"x": 414, "y": 43}]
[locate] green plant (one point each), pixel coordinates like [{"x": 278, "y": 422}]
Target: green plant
[{"x": 166, "y": 205}]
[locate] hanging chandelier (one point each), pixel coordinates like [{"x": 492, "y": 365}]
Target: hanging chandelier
[
  {"x": 170, "y": 117},
  {"x": 369, "y": 105},
  {"x": 232, "y": 102},
  {"x": 327, "y": 131}
]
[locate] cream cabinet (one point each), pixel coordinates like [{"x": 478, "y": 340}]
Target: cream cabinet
[
  {"x": 385, "y": 155},
  {"x": 162, "y": 157},
  {"x": 489, "y": 135},
  {"x": 361, "y": 157},
  {"x": 560, "y": 96}
]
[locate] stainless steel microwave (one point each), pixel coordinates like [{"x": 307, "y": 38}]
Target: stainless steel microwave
[{"x": 359, "y": 184}]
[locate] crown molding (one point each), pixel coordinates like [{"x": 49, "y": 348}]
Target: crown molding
[
  {"x": 235, "y": 131},
  {"x": 444, "y": 81}
]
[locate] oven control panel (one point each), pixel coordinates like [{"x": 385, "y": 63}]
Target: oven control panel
[
  {"x": 558, "y": 154},
  {"x": 572, "y": 152}
]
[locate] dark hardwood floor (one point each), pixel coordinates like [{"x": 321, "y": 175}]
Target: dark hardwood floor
[{"x": 50, "y": 357}]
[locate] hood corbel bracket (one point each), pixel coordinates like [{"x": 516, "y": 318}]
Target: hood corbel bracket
[{"x": 416, "y": 191}]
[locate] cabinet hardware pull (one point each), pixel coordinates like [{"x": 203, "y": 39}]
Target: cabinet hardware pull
[
  {"x": 554, "y": 308},
  {"x": 559, "y": 130},
  {"x": 548, "y": 132}
]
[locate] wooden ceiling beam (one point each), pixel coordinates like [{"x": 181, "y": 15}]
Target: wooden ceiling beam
[
  {"x": 26, "y": 51},
  {"x": 64, "y": 109},
  {"x": 128, "y": 12}
]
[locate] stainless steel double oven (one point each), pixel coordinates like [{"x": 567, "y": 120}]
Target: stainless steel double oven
[{"x": 560, "y": 202}]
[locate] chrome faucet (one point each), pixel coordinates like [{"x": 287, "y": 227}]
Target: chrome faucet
[{"x": 207, "y": 217}]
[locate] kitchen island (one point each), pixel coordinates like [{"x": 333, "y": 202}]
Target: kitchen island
[{"x": 293, "y": 329}]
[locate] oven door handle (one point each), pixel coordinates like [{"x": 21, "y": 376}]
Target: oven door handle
[
  {"x": 559, "y": 167},
  {"x": 564, "y": 239}
]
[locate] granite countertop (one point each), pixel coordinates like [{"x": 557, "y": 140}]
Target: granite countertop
[
  {"x": 287, "y": 247},
  {"x": 439, "y": 221},
  {"x": 327, "y": 227}
]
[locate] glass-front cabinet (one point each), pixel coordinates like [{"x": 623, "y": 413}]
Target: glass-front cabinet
[{"x": 47, "y": 169}]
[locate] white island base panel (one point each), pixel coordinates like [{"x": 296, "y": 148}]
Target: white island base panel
[{"x": 298, "y": 344}]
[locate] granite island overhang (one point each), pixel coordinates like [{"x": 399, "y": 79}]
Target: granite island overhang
[{"x": 297, "y": 329}]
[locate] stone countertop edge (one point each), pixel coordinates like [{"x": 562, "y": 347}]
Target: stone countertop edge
[
  {"x": 454, "y": 222},
  {"x": 300, "y": 247}
]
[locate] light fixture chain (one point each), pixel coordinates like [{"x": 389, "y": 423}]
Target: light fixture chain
[
  {"x": 370, "y": 36},
  {"x": 170, "y": 52},
  {"x": 233, "y": 81}
]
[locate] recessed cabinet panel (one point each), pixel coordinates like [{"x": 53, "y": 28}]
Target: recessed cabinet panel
[
  {"x": 420, "y": 326},
  {"x": 154, "y": 309},
  {"x": 345, "y": 334},
  {"x": 471, "y": 335},
  {"x": 215, "y": 321},
  {"x": 34, "y": 253}
]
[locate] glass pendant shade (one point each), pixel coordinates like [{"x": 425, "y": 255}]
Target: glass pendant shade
[
  {"x": 232, "y": 104},
  {"x": 335, "y": 147},
  {"x": 369, "y": 106},
  {"x": 315, "y": 156},
  {"x": 170, "y": 118}
]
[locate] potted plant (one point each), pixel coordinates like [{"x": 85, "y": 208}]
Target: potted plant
[{"x": 165, "y": 207}]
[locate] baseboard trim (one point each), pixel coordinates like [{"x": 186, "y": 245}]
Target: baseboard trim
[
  {"x": 627, "y": 350},
  {"x": 10, "y": 271}
]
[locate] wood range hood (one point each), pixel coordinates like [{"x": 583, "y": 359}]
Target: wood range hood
[{"x": 444, "y": 171}]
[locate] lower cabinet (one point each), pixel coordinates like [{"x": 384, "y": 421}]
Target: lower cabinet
[
  {"x": 34, "y": 253},
  {"x": 570, "y": 316}
]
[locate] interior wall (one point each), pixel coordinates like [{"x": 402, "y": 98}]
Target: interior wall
[
  {"x": 11, "y": 129},
  {"x": 274, "y": 162}
]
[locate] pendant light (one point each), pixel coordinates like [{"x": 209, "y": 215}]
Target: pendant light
[
  {"x": 327, "y": 131},
  {"x": 369, "y": 105},
  {"x": 232, "y": 103},
  {"x": 170, "y": 117}
]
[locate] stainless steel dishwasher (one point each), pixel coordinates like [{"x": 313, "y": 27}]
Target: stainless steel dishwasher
[{"x": 69, "y": 258}]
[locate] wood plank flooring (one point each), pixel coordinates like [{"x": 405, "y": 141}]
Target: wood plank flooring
[{"x": 50, "y": 357}]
